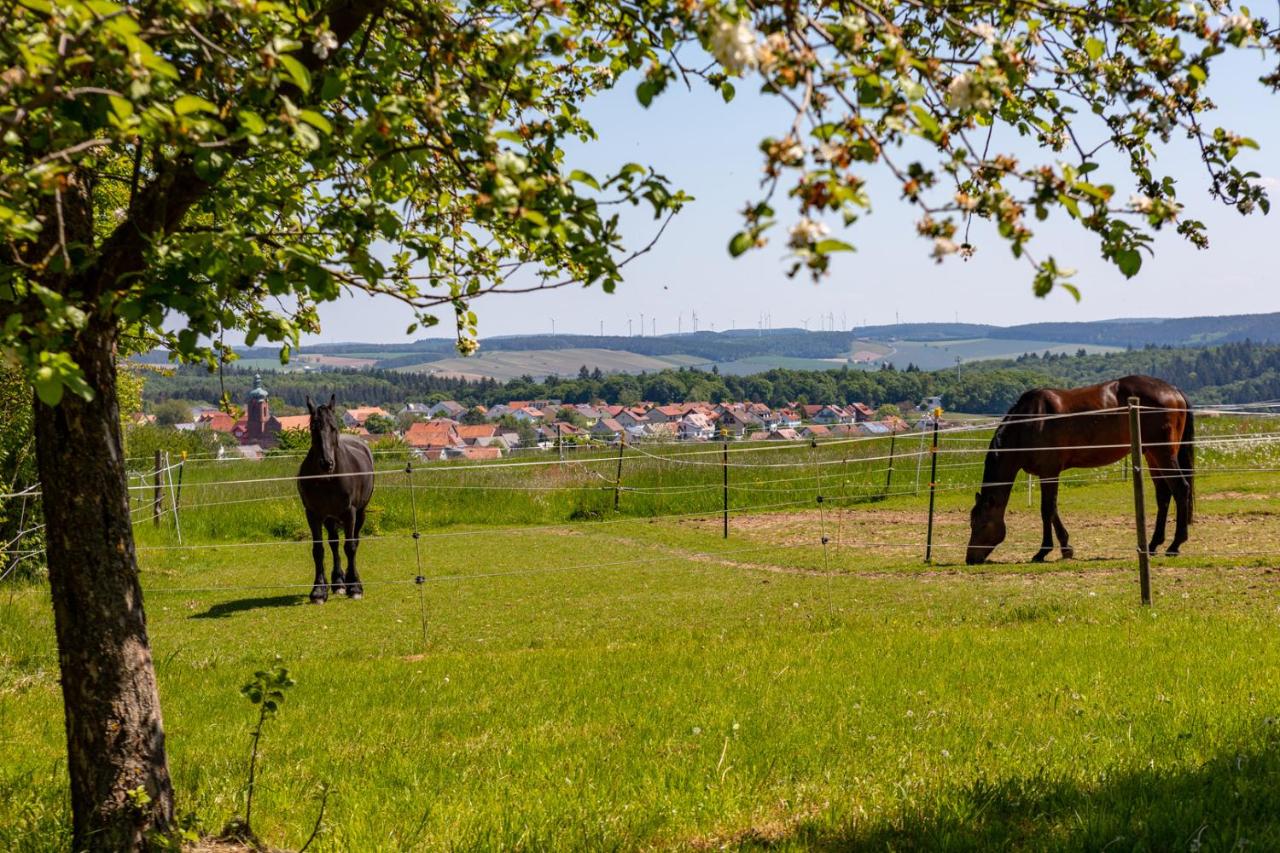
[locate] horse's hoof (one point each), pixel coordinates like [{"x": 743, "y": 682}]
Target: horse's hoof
[
  {"x": 356, "y": 595},
  {"x": 339, "y": 590},
  {"x": 1068, "y": 553},
  {"x": 318, "y": 599},
  {"x": 1172, "y": 552},
  {"x": 1039, "y": 557}
]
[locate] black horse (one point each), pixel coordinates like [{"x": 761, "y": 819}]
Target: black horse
[
  {"x": 1050, "y": 429},
  {"x": 335, "y": 482}
]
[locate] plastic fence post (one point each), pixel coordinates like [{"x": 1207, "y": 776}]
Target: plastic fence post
[
  {"x": 617, "y": 482},
  {"x": 933, "y": 477},
  {"x": 725, "y": 466},
  {"x": 157, "y": 497},
  {"x": 1139, "y": 505},
  {"x": 888, "y": 477}
]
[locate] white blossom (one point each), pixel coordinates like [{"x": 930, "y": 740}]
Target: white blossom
[
  {"x": 510, "y": 163},
  {"x": 326, "y": 43},
  {"x": 986, "y": 32},
  {"x": 829, "y": 152},
  {"x": 733, "y": 43},
  {"x": 854, "y": 22},
  {"x": 1238, "y": 22},
  {"x": 806, "y": 232},
  {"x": 942, "y": 247},
  {"x": 791, "y": 152},
  {"x": 1141, "y": 203},
  {"x": 769, "y": 50},
  {"x": 960, "y": 92}
]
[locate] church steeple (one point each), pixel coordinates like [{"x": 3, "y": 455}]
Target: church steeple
[{"x": 258, "y": 412}]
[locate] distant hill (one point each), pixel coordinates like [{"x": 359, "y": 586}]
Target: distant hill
[{"x": 740, "y": 351}]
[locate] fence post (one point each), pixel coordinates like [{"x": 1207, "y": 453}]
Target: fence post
[
  {"x": 725, "y": 466},
  {"x": 173, "y": 497},
  {"x": 617, "y": 481},
  {"x": 888, "y": 478},
  {"x": 182, "y": 466},
  {"x": 1139, "y": 505},
  {"x": 157, "y": 496},
  {"x": 419, "y": 579},
  {"x": 933, "y": 477},
  {"x": 559, "y": 443}
]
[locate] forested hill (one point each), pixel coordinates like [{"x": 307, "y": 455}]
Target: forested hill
[
  {"x": 1231, "y": 373},
  {"x": 729, "y": 345}
]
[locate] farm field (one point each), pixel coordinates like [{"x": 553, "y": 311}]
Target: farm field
[
  {"x": 936, "y": 355},
  {"x": 509, "y": 364},
  {"x": 592, "y": 679}
]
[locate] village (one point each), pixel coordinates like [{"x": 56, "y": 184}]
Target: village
[{"x": 448, "y": 430}]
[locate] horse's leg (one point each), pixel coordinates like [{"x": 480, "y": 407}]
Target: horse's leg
[
  {"x": 1048, "y": 509},
  {"x": 354, "y": 522},
  {"x": 337, "y": 583},
  {"x": 1163, "y": 494},
  {"x": 1181, "y": 489},
  {"x": 319, "y": 592},
  {"x": 1068, "y": 551}
]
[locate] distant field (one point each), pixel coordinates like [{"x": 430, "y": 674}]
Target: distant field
[
  {"x": 504, "y": 365},
  {"x": 761, "y": 363},
  {"x": 935, "y": 355}
]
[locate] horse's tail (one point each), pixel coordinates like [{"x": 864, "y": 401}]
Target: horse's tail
[{"x": 1187, "y": 459}]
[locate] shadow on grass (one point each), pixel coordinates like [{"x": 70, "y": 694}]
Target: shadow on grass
[
  {"x": 1231, "y": 802},
  {"x": 224, "y": 609}
]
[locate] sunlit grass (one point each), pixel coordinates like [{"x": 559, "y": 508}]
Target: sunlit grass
[{"x": 618, "y": 682}]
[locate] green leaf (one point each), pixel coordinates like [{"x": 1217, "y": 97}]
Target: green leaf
[
  {"x": 1129, "y": 262},
  {"x": 301, "y": 76},
  {"x": 316, "y": 120},
  {"x": 645, "y": 92},
  {"x": 122, "y": 107},
  {"x": 584, "y": 178},
  {"x": 48, "y": 386},
  {"x": 188, "y": 104},
  {"x": 740, "y": 243},
  {"x": 1070, "y": 288},
  {"x": 1094, "y": 47},
  {"x": 826, "y": 247},
  {"x": 252, "y": 122},
  {"x": 727, "y": 91}
]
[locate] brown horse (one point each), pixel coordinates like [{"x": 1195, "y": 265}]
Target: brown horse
[
  {"x": 335, "y": 482},
  {"x": 1093, "y": 431}
]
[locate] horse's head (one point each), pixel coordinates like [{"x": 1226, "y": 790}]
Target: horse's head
[
  {"x": 986, "y": 528},
  {"x": 324, "y": 431}
]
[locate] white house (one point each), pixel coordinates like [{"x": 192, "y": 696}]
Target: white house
[{"x": 696, "y": 427}]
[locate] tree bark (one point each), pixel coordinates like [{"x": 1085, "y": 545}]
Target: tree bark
[{"x": 115, "y": 736}]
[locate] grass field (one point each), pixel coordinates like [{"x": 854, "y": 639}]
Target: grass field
[
  {"x": 592, "y": 680},
  {"x": 938, "y": 355},
  {"x": 504, "y": 365}
]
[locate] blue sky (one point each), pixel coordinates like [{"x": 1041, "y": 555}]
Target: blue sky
[{"x": 709, "y": 149}]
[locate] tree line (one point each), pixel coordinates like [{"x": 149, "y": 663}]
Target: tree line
[{"x": 1229, "y": 373}]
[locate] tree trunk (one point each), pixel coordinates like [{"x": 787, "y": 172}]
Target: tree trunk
[{"x": 115, "y": 736}]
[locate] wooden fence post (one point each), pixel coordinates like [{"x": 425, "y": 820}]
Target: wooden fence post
[
  {"x": 157, "y": 496},
  {"x": 1139, "y": 505},
  {"x": 933, "y": 477}
]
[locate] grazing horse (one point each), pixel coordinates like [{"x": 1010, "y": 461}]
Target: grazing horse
[
  {"x": 335, "y": 482},
  {"x": 1049, "y": 430}
]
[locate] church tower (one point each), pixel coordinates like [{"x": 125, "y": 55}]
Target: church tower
[{"x": 257, "y": 413}]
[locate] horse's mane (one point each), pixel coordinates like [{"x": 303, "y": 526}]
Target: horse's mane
[{"x": 1030, "y": 404}]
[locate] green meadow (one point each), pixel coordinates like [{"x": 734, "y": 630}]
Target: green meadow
[{"x": 571, "y": 677}]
